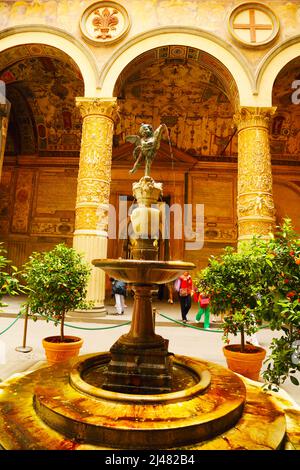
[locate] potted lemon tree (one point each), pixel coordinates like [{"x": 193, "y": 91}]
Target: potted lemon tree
[
  {"x": 281, "y": 306},
  {"x": 235, "y": 283},
  {"x": 57, "y": 282}
]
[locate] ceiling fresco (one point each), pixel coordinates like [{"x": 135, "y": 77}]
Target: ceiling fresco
[
  {"x": 42, "y": 91},
  {"x": 285, "y": 127},
  {"x": 176, "y": 85},
  {"x": 183, "y": 87}
]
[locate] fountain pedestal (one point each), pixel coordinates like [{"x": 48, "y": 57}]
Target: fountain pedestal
[{"x": 140, "y": 361}]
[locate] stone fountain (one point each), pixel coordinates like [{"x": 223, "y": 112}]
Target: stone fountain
[{"x": 139, "y": 395}]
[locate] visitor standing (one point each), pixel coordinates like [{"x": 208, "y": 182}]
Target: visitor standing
[
  {"x": 184, "y": 287},
  {"x": 119, "y": 291}
]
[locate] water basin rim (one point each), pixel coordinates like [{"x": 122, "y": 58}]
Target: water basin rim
[
  {"x": 134, "y": 263},
  {"x": 85, "y": 362}
]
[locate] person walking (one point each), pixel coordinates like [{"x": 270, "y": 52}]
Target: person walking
[
  {"x": 203, "y": 301},
  {"x": 119, "y": 291},
  {"x": 184, "y": 287}
]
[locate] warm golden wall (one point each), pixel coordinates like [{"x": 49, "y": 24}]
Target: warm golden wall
[{"x": 37, "y": 205}]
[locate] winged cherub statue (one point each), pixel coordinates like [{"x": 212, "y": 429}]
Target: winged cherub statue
[{"x": 146, "y": 145}]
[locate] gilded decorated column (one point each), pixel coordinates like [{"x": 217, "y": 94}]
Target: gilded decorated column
[
  {"x": 93, "y": 187},
  {"x": 4, "y": 116},
  {"x": 256, "y": 212}
]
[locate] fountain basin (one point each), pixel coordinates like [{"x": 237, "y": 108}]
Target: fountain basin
[
  {"x": 96, "y": 416},
  {"x": 146, "y": 272},
  {"x": 65, "y": 418}
]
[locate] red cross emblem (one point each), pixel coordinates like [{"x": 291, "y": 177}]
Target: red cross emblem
[{"x": 252, "y": 26}]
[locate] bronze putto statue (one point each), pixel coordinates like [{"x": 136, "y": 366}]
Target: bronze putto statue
[{"x": 146, "y": 145}]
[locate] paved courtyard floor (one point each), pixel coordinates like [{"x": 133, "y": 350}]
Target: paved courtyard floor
[{"x": 186, "y": 340}]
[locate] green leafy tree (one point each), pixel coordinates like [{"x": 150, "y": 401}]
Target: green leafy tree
[
  {"x": 9, "y": 282},
  {"x": 283, "y": 300},
  {"x": 235, "y": 284},
  {"x": 261, "y": 283},
  {"x": 57, "y": 283}
]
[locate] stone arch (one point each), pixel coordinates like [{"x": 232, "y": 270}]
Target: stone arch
[
  {"x": 58, "y": 39},
  {"x": 271, "y": 66},
  {"x": 196, "y": 38}
]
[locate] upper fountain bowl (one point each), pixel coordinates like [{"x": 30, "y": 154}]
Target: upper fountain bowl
[{"x": 143, "y": 271}]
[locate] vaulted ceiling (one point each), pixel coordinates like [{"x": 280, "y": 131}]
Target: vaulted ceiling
[
  {"x": 41, "y": 84},
  {"x": 189, "y": 90}
]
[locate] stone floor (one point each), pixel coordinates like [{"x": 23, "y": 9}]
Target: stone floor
[{"x": 186, "y": 340}]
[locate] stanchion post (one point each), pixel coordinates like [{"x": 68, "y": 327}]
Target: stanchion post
[
  {"x": 153, "y": 316},
  {"x": 24, "y": 348}
]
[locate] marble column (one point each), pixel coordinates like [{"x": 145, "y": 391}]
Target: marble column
[
  {"x": 93, "y": 188},
  {"x": 255, "y": 205},
  {"x": 4, "y": 116}
]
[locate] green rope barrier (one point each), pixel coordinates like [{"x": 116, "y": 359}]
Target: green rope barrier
[
  {"x": 209, "y": 330},
  {"x": 190, "y": 326},
  {"x": 88, "y": 329},
  {"x": 15, "y": 320}
]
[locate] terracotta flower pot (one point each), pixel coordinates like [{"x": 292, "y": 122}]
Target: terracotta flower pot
[
  {"x": 247, "y": 363},
  {"x": 59, "y": 352}
]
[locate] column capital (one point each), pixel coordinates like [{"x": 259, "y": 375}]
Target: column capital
[
  {"x": 107, "y": 107},
  {"x": 250, "y": 116}
]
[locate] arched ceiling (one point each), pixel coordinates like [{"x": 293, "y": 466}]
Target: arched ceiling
[
  {"x": 285, "y": 126},
  {"x": 41, "y": 84},
  {"x": 187, "y": 89}
]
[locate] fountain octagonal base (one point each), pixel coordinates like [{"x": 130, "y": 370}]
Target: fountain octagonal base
[{"x": 68, "y": 413}]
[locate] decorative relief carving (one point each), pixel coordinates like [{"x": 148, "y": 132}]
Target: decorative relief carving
[
  {"x": 261, "y": 204},
  {"x": 248, "y": 228},
  {"x": 95, "y": 162},
  {"x": 255, "y": 194},
  {"x": 104, "y": 23},
  {"x": 22, "y": 202},
  {"x": 86, "y": 218},
  {"x": 51, "y": 228}
]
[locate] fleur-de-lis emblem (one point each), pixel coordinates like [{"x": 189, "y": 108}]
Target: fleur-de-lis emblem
[{"x": 105, "y": 22}]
